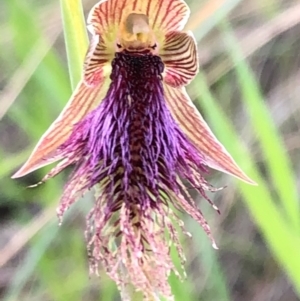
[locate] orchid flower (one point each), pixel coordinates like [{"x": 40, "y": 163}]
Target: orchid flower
[{"x": 133, "y": 135}]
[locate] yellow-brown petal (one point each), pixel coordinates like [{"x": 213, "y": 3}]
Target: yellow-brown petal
[
  {"x": 193, "y": 125},
  {"x": 164, "y": 15},
  {"x": 179, "y": 54},
  {"x": 83, "y": 100},
  {"x": 87, "y": 95}
]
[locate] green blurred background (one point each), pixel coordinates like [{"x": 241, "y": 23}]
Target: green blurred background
[{"x": 248, "y": 91}]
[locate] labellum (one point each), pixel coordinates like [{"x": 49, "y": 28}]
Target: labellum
[{"x": 132, "y": 134}]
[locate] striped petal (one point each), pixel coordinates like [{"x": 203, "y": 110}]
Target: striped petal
[
  {"x": 191, "y": 122},
  {"x": 97, "y": 62},
  {"x": 164, "y": 15},
  {"x": 84, "y": 99},
  {"x": 179, "y": 54}
]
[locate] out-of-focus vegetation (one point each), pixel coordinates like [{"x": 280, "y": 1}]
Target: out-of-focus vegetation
[{"x": 248, "y": 91}]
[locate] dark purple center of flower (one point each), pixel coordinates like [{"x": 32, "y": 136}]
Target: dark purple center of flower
[{"x": 130, "y": 144}]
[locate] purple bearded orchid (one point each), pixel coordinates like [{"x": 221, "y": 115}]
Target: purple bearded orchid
[{"x": 133, "y": 134}]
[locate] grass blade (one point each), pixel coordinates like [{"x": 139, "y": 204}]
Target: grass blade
[
  {"x": 283, "y": 242},
  {"x": 75, "y": 37},
  {"x": 276, "y": 157}
]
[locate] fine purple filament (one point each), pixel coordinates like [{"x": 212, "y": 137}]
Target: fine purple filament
[
  {"x": 131, "y": 139},
  {"x": 132, "y": 151}
]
